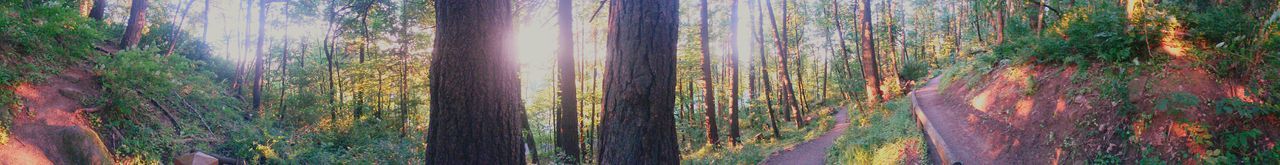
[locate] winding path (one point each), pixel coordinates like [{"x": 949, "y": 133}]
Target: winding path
[{"x": 812, "y": 151}]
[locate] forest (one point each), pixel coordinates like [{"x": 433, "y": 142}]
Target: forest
[{"x": 639, "y": 81}]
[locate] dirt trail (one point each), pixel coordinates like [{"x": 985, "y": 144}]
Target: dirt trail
[
  {"x": 49, "y": 126},
  {"x": 813, "y": 151}
]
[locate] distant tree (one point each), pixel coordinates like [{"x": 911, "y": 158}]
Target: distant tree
[
  {"x": 638, "y": 125},
  {"x": 789, "y": 102},
  {"x": 137, "y": 20},
  {"x": 567, "y": 117},
  {"x": 475, "y": 96},
  {"x": 709, "y": 99},
  {"x": 870, "y": 68}
]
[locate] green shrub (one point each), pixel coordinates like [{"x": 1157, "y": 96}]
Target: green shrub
[
  {"x": 880, "y": 136},
  {"x": 1235, "y": 106}
]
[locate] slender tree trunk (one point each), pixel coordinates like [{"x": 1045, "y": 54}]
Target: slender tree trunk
[
  {"x": 530, "y": 144},
  {"x": 404, "y": 39},
  {"x": 567, "y": 118},
  {"x": 844, "y": 48},
  {"x": 764, "y": 70},
  {"x": 173, "y": 35},
  {"x": 99, "y": 10},
  {"x": 640, "y": 82},
  {"x": 137, "y": 21},
  {"x": 475, "y": 91},
  {"x": 788, "y": 94},
  {"x": 284, "y": 66},
  {"x": 259, "y": 57},
  {"x": 709, "y": 89},
  {"x": 870, "y": 68},
  {"x": 734, "y": 132},
  {"x": 204, "y": 34}
]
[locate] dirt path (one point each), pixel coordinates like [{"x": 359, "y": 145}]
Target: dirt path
[
  {"x": 813, "y": 151},
  {"x": 974, "y": 136},
  {"x": 49, "y": 126}
]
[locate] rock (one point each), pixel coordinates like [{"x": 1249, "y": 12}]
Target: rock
[
  {"x": 90, "y": 109},
  {"x": 81, "y": 145},
  {"x": 196, "y": 158},
  {"x": 74, "y": 94}
]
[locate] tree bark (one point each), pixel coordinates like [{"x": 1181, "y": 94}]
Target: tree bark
[
  {"x": 99, "y": 10},
  {"x": 137, "y": 21},
  {"x": 870, "y": 68},
  {"x": 708, "y": 97},
  {"x": 734, "y": 132},
  {"x": 638, "y": 126},
  {"x": 844, "y": 48},
  {"x": 475, "y": 96},
  {"x": 567, "y": 117}
]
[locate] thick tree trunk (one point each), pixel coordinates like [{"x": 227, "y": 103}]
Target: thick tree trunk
[
  {"x": 734, "y": 132},
  {"x": 999, "y": 21},
  {"x": 99, "y": 10},
  {"x": 137, "y": 21},
  {"x": 475, "y": 96},
  {"x": 709, "y": 89},
  {"x": 639, "y": 84},
  {"x": 764, "y": 71},
  {"x": 870, "y": 68},
  {"x": 567, "y": 117}
]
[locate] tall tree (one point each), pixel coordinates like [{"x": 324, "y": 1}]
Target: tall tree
[
  {"x": 475, "y": 96},
  {"x": 99, "y": 10},
  {"x": 638, "y": 126},
  {"x": 708, "y": 97},
  {"x": 870, "y": 68},
  {"x": 764, "y": 70},
  {"x": 258, "y": 58},
  {"x": 173, "y": 35},
  {"x": 844, "y": 48},
  {"x": 567, "y": 117},
  {"x": 137, "y": 20},
  {"x": 788, "y": 95},
  {"x": 734, "y": 132}
]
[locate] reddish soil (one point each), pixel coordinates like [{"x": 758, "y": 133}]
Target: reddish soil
[
  {"x": 812, "y": 151},
  {"x": 49, "y": 126},
  {"x": 998, "y": 121}
]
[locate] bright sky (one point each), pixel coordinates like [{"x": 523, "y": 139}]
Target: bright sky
[{"x": 535, "y": 38}]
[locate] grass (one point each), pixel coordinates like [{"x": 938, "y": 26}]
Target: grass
[{"x": 880, "y": 136}]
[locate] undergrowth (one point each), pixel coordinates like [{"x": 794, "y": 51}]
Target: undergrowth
[
  {"x": 880, "y": 135},
  {"x": 35, "y": 42}
]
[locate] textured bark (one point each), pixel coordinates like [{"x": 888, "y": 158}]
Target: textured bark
[
  {"x": 99, "y": 10},
  {"x": 137, "y": 21},
  {"x": 734, "y": 132},
  {"x": 638, "y": 126},
  {"x": 764, "y": 70},
  {"x": 567, "y": 117},
  {"x": 870, "y": 68},
  {"x": 475, "y": 96},
  {"x": 708, "y": 95}
]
